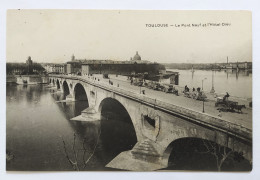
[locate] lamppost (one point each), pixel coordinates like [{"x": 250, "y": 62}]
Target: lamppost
[
  {"x": 203, "y": 100},
  {"x": 203, "y": 106},
  {"x": 203, "y": 95},
  {"x": 202, "y": 82},
  {"x": 212, "y": 91}
]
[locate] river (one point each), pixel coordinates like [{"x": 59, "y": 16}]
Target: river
[{"x": 237, "y": 84}]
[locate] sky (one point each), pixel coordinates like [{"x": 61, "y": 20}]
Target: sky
[{"x": 54, "y": 35}]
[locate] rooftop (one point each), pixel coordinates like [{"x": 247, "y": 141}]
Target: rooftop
[{"x": 86, "y": 62}]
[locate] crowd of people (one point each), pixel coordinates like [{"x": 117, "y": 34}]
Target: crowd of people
[
  {"x": 195, "y": 94},
  {"x": 187, "y": 89}
]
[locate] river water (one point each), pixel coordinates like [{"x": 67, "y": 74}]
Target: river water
[
  {"x": 237, "y": 84},
  {"x": 39, "y": 132},
  {"x": 37, "y": 126}
]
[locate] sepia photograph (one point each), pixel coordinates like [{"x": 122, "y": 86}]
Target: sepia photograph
[{"x": 129, "y": 90}]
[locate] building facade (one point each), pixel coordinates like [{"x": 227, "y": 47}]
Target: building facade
[
  {"x": 132, "y": 67},
  {"x": 56, "y": 68},
  {"x": 73, "y": 67}
]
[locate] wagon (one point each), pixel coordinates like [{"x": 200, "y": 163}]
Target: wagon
[
  {"x": 226, "y": 103},
  {"x": 150, "y": 84},
  {"x": 138, "y": 82},
  {"x": 158, "y": 87},
  {"x": 170, "y": 89}
]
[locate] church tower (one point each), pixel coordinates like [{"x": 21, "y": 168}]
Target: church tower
[
  {"x": 29, "y": 64},
  {"x": 72, "y": 57}
]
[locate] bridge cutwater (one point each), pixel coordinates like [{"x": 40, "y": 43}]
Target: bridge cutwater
[{"x": 157, "y": 124}]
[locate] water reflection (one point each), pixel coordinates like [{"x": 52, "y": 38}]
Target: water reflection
[
  {"x": 29, "y": 94},
  {"x": 238, "y": 73},
  {"x": 237, "y": 83}
]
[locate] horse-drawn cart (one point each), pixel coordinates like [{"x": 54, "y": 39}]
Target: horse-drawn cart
[
  {"x": 226, "y": 103},
  {"x": 170, "y": 89}
]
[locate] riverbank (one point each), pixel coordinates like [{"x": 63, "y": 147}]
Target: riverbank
[
  {"x": 27, "y": 79},
  {"x": 237, "y": 84},
  {"x": 210, "y": 66}
]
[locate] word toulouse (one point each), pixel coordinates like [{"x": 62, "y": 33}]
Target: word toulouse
[{"x": 156, "y": 25}]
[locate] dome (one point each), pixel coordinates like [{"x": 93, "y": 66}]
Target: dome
[{"x": 137, "y": 57}]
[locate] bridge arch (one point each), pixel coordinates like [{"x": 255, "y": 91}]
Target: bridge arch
[
  {"x": 58, "y": 84},
  {"x": 118, "y": 133},
  {"x": 185, "y": 153},
  {"x": 80, "y": 93},
  {"x": 66, "y": 89}
]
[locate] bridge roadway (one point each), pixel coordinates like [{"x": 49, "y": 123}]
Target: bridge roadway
[
  {"x": 231, "y": 130},
  {"x": 243, "y": 119}
]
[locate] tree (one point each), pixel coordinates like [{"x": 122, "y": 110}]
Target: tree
[
  {"x": 75, "y": 161},
  {"x": 222, "y": 153}
]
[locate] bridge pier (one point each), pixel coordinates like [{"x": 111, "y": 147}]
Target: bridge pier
[
  {"x": 51, "y": 83},
  {"x": 143, "y": 157},
  {"x": 89, "y": 114},
  {"x": 59, "y": 90},
  {"x": 70, "y": 97}
]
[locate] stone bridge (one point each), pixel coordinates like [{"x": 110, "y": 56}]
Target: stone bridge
[{"x": 157, "y": 124}]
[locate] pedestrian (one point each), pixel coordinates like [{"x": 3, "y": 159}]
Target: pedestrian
[
  {"x": 219, "y": 113},
  {"x": 226, "y": 97}
]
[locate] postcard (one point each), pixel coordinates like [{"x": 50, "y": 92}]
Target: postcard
[{"x": 128, "y": 90}]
